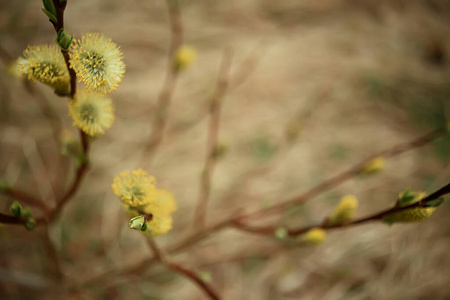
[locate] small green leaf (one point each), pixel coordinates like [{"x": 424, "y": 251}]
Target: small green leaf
[
  {"x": 63, "y": 39},
  {"x": 49, "y": 6},
  {"x": 30, "y": 224},
  {"x": 137, "y": 222},
  {"x": 281, "y": 233},
  {"x": 16, "y": 209},
  {"x": 26, "y": 212},
  {"x": 51, "y": 17},
  {"x": 435, "y": 202},
  {"x": 144, "y": 227}
]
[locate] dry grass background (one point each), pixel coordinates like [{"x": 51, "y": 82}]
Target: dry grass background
[{"x": 353, "y": 77}]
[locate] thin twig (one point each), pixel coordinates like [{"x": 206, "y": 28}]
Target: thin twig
[
  {"x": 165, "y": 96},
  {"x": 5, "y": 219},
  {"x": 81, "y": 171},
  {"x": 346, "y": 175},
  {"x": 25, "y": 198},
  {"x": 195, "y": 237},
  {"x": 270, "y": 230},
  {"x": 212, "y": 141},
  {"x": 163, "y": 258}
]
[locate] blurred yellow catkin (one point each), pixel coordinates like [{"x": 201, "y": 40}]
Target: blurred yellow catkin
[
  {"x": 344, "y": 211},
  {"x": 313, "y": 237},
  {"x": 184, "y": 57}
]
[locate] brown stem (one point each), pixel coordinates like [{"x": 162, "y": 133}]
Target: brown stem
[
  {"x": 81, "y": 171},
  {"x": 270, "y": 230},
  {"x": 5, "y": 219},
  {"x": 212, "y": 144},
  {"x": 167, "y": 90},
  {"x": 163, "y": 258},
  {"x": 239, "y": 219},
  {"x": 25, "y": 198},
  {"x": 346, "y": 175}
]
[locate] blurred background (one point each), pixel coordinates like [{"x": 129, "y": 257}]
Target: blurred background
[{"x": 325, "y": 84}]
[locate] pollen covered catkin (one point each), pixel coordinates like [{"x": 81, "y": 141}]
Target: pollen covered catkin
[{"x": 98, "y": 62}]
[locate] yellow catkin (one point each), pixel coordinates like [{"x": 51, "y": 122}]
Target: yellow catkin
[
  {"x": 139, "y": 196},
  {"x": 373, "y": 166},
  {"x": 98, "y": 62},
  {"x": 184, "y": 57},
  {"x": 414, "y": 197},
  {"x": 416, "y": 214},
  {"x": 162, "y": 204},
  {"x": 158, "y": 226},
  {"x": 91, "y": 112},
  {"x": 135, "y": 189},
  {"x": 313, "y": 237},
  {"x": 45, "y": 64},
  {"x": 344, "y": 211}
]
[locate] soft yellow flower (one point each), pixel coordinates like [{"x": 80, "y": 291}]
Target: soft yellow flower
[
  {"x": 98, "y": 62},
  {"x": 344, "y": 211},
  {"x": 159, "y": 225},
  {"x": 373, "y": 166},
  {"x": 135, "y": 189},
  {"x": 45, "y": 64},
  {"x": 162, "y": 204},
  {"x": 184, "y": 57},
  {"x": 92, "y": 112},
  {"x": 313, "y": 237},
  {"x": 416, "y": 214}
]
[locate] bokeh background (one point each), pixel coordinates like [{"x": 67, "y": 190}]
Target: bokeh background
[{"x": 328, "y": 83}]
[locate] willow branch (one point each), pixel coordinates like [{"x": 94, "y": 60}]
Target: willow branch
[
  {"x": 212, "y": 142},
  {"x": 198, "y": 236},
  {"x": 5, "y": 219},
  {"x": 346, "y": 175},
  {"x": 293, "y": 232},
  {"x": 192, "y": 275},
  {"x": 82, "y": 169},
  {"x": 170, "y": 81},
  {"x": 25, "y": 198}
]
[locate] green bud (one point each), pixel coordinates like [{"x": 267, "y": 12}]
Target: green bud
[
  {"x": 137, "y": 222},
  {"x": 16, "y": 209},
  {"x": 30, "y": 224},
  {"x": 205, "y": 276},
  {"x": 63, "y": 39},
  {"x": 435, "y": 202},
  {"x": 50, "y": 10},
  {"x": 281, "y": 233},
  {"x": 26, "y": 212}
]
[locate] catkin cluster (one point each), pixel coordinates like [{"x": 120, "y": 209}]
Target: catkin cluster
[
  {"x": 97, "y": 62},
  {"x": 139, "y": 195}
]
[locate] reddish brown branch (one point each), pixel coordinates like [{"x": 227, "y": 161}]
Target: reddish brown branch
[
  {"x": 192, "y": 275},
  {"x": 346, "y": 175},
  {"x": 240, "y": 220},
  {"x": 25, "y": 198},
  {"x": 212, "y": 142},
  {"x": 5, "y": 219},
  {"x": 270, "y": 230}
]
